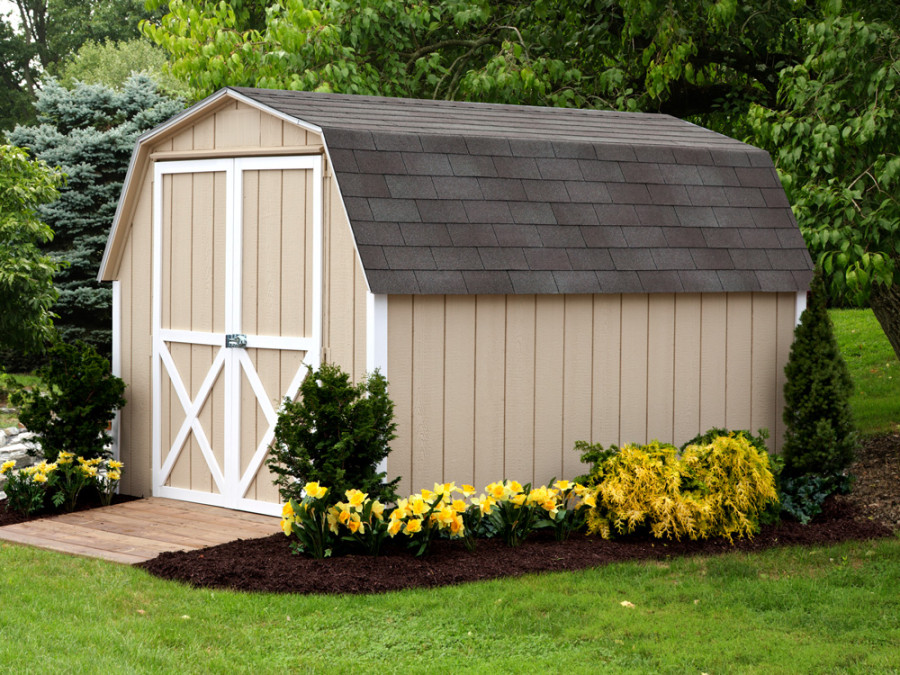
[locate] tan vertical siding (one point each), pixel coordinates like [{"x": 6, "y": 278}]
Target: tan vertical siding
[
  {"x": 660, "y": 366},
  {"x": 459, "y": 374},
  {"x": 518, "y": 449},
  {"x": 633, "y": 386},
  {"x": 514, "y": 381},
  {"x": 686, "y": 385}
]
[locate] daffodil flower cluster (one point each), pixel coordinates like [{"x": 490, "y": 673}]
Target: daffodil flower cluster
[
  {"x": 506, "y": 509},
  {"x": 62, "y": 480}
]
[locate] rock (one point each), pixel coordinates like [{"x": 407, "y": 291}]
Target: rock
[{"x": 11, "y": 431}]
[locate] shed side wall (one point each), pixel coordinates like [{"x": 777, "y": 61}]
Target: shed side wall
[
  {"x": 491, "y": 387},
  {"x": 233, "y": 127}
]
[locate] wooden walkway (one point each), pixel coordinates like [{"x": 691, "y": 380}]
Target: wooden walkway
[{"x": 136, "y": 531}]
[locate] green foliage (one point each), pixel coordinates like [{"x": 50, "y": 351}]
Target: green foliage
[
  {"x": 81, "y": 399},
  {"x": 335, "y": 434},
  {"x": 89, "y": 131},
  {"x": 717, "y": 489},
  {"x": 802, "y": 497},
  {"x": 819, "y": 434},
  {"x": 42, "y": 33},
  {"x": 111, "y": 64},
  {"x": 26, "y": 272},
  {"x": 595, "y": 456}
]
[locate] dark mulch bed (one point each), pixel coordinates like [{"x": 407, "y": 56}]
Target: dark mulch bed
[
  {"x": 267, "y": 564},
  {"x": 85, "y": 501}
]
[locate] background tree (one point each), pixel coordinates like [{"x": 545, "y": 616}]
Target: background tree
[
  {"x": 39, "y": 34},
  {"x": 26, "y": 273},
  {"x": 813, "y": 81},
  {"x": 111, "y": 63},
  {"x": 89, "y": 131}
]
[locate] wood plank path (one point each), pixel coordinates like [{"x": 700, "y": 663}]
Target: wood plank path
[{"x": 136, "y": 531}]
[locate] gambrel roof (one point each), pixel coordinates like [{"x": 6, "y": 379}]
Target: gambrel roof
[{"x": 452, "y": 197}]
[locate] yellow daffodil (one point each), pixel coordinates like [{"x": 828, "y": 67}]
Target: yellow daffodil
[
  {"x": 485, "y": 502},
  {"x": 286, "y": 525},
  {"x": 355, "y": 525},
  {"x": 515, "y": 486},
  {"x": 459, "y": 506},
  {"x": 394, "y": 527},
  {"x": 332, "y": 517},
  {"x": 467, "y": 490},
  {"x": 314, "y": 490},
  {"x": 413, "y": 526},
  {"x": 444, "y": 488},
  {"x": 590, "y": 499},
  {"x": 356, "y": 498},
  {"x": 427, "y": 494},
  {"x": 378, "y": 509},
  {"x": 287, "y": 510},
  {"x": 418, "y": 506},
  {"x": 457, "y": 526},
  {"x": 519, "y": 499},
  {"x": 496, "y": 490},
  {"x": 562, "y": 485}
]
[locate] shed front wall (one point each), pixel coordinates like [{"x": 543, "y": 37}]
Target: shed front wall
[
  {"x": 229, "y": 130},
  {"x": 491, "y": 387}
]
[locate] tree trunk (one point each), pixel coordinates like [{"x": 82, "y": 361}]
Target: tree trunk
[{"x": 885, "y": 303}]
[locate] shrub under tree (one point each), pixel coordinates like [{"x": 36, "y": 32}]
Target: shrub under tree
[
  {"x": 336, "y": 433},
  {"x": 820, "y": 437},
  {"x": 79, "y": 401}
]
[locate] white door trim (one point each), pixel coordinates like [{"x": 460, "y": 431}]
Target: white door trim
[{"x": 230, "y": 481}]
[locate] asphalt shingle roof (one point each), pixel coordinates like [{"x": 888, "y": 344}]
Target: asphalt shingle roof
[{"x": 451, "y": 197}]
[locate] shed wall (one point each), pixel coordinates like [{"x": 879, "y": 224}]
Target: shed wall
[
  {"x": 230, "y": 129},
  {"x": 491, "y": 387}
]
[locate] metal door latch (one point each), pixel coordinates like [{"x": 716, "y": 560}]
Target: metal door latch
[{"x": 235, "y": 340}]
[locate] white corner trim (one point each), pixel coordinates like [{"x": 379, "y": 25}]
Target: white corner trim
[
  {"x": 116, "y": 356},
  {"x": 799, "y": 306},
  {"x": 376, "y": 342},
  {"x": 376, "y": 333}
]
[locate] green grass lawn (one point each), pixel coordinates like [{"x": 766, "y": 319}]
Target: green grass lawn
[
  {"x": 25, "y": 380},
  {"x": 792, "y": 610},
  {"x": 873, "y": 367}
]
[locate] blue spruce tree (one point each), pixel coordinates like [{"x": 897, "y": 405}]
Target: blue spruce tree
[{"x": 88, "y": 131}]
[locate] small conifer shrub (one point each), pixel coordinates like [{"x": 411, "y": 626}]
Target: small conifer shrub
[
  {"x": 820, "y": 437},
  {"x": 335, "y": 434},
  {"x": 80, "y": 399}
]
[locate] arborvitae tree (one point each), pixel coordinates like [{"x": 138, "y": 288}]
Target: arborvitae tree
[
  {"x": 820, "y": 437},
  {"x": 88, "y": 131}
]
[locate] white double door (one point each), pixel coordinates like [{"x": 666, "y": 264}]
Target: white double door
[{"x": 237, "y": 317}]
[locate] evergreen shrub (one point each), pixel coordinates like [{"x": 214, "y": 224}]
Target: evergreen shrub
[
  {"x": 334, "y": 434},
  {"x": 820, "y": 437},
  {"x": 72, "y": 414}
]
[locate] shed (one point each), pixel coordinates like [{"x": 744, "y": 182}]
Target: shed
[{"x": 525, "y": 277}]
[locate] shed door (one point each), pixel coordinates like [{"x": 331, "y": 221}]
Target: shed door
[{"x": 237, "y": 317}]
